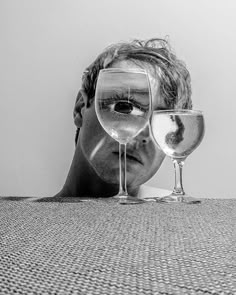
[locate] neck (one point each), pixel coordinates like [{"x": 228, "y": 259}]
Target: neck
[{"x": 82, "y": 180}]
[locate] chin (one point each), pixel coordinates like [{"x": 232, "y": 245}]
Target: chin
[
  {"x": 114, "y": 178},
  {"x": 111, "y": 176},
  {"x": 134, "y": 175}
]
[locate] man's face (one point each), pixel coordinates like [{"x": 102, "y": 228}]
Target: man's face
[{"x": 144, "y": 157}]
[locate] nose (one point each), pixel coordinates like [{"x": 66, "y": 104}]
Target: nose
[{"x": 144, "y": 137}]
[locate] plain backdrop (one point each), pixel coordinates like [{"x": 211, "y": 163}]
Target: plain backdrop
[{"x": 45, "y": 46}]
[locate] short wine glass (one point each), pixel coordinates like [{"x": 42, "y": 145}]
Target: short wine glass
[
  {"x": 178, "y": 133},
  {"x": 123, "y": 107}
]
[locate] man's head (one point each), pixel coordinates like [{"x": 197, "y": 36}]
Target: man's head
[{"x": 170, "y": 86}]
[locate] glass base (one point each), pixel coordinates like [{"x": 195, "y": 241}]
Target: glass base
[
  {"x": 126, "y": 200},
  {"x": 175, "y": 198}
]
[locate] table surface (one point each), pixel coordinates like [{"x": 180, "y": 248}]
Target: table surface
[{"x": 101, "y": 247}]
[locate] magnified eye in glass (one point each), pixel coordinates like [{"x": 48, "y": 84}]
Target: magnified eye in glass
[{"x": 123, "y": 107}]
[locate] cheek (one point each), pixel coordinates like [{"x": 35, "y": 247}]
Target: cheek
[
  {"x": 156, "y": 158},
  {"x": 90, "y": 122},
  {"x": 91, "y": 131},
  {"x": 93, "y": 138},
  {"x": 160, "y": 156}
]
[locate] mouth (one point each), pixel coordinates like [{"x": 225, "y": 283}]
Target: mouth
[{"x": 130, "y": 157}]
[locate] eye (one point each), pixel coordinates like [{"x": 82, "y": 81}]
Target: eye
[
  {"x": 126, "y": 107},
  {"x": 123, "y": 107}
]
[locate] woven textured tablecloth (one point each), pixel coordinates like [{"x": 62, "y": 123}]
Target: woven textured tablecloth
[{"x": 101, "y": 247}]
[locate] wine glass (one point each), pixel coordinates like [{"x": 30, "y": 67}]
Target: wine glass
[
  {"x": 123, "y": 108},
  {"x": 178, "y": 133}
]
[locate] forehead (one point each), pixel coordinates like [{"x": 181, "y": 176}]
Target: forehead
[{"x": 157, "y": 100}]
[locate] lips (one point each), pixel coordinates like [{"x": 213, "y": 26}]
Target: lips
[{"x": 131, "y": 156}]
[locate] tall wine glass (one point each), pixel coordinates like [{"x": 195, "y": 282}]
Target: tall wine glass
[
  {"x": 178, "y": 133},
  {"x": 123, "y": 108}
]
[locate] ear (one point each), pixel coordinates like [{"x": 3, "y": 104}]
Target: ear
[{"x": 80, "y": 106}]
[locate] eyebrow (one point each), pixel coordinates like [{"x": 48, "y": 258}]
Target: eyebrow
[
  {"x": 123, "y": 96},
  {"x": 160, "y": 108},
  {"x": 139, "y": 91}
]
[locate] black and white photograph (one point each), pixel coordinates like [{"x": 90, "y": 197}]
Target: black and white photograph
[{"x": 117, "y": 162}]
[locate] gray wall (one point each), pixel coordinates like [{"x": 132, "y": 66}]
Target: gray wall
[{"x": 46, "y": 44}]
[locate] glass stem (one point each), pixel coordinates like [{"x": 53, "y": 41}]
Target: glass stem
[
  {"x": 123, "y": 186},
  {"x": 178, "y": 165}
]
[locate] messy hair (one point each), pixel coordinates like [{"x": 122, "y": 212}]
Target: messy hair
[{"x": 172, "y": 74}]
